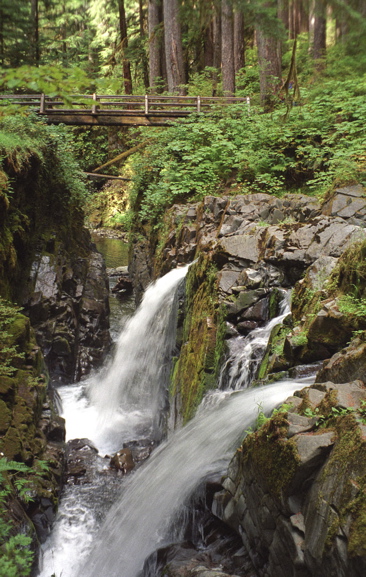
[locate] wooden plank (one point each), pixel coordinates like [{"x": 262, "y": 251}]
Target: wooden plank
[{"x": 106, "y": 120}]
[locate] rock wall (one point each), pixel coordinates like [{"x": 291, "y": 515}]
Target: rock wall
[
  {"x": 247, "y": 248},
  {"x": 295, "y": 489},
  {"x": 49, "y": 265}
]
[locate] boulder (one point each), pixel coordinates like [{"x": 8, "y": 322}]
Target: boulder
[
  {"x": 346, "y": 365},
  {"x": 348, "y": 202}
]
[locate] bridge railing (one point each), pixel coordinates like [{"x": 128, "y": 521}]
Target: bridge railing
[{"x": 120, "y": 104}]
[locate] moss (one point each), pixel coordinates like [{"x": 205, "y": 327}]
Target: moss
[
  {"x": 5, "y": 416},
  {"x": 272, "y": 455},
  {"x": 197, "y": 367},
  {"x": 347, "y": 466}
]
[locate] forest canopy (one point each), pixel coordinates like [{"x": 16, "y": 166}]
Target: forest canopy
[{"x": 207, "y": 47}]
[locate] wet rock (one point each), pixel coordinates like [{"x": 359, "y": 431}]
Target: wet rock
[
  {"x": 140, "y": 450},
  {"x": 81, "y": 455},
  {"x": 244, "y": 300},
  {"x": 69, "y": 310},
  {"x": 123, "y": 285},
  {"x": 123, "y": 461}
]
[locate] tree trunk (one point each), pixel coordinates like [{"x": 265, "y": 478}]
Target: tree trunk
[
  {"x": 227, "y": 52},
  {"x": 319, "y": 42},
  {"x": 2, "y": 47},
  {"x": 269, "y": 57},
  {"x": 154, "y": 44},
  {"x": 239, "y": 41},
  {"x": 284, "y": 14},
  {"x": 127, "y": 78},
  {"x": 34, "y": 34},
  {"x": 173, "y": 47},
  {"x": 145, "y": 68},
  {"x": 298, "y": 17}
]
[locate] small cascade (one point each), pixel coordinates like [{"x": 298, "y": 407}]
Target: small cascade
[
  {"x": 140, "y": 521},
  {"x": 246, "y": 353}
]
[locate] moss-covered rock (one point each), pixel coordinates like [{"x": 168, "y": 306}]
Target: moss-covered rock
[{"x": 196, "y": 369}]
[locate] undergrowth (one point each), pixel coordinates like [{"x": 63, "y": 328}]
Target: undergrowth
[
  {"x": 320, "y": 144},
  {"x": 23, "y": 138}
]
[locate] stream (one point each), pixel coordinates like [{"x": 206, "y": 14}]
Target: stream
[{"x": 126, "y": 401}]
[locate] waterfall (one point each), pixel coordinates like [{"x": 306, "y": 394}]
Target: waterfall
[
  {"x": 128, "y": 398},
  {"x": 124, "y": 404},
  {"x": 246, "y": 353},
  {"x": 139, "y": 522}
]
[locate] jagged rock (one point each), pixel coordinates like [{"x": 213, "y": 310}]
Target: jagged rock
[
  {"x": 123, "y": 284},
  {"x": 345, "y": 365},
  {"x": 244, "y": 300},
  {"x": 349, "y": 203},
  {"x": 80, "y": 457},
  {"x": 305, "y": 525},
  {"x": 140, "y": 450},
  {"x": 69, "y": 311}
]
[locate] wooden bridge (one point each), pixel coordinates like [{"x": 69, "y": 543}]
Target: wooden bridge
[{"x": 96, "y": 110}]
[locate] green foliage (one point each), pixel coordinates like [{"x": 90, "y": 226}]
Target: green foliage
[
  {"x": 23, "y": 137},
  {"x": 299, "y": 339},
  {"x": 52, "y": 80},
  {"x": 16, "y": 558},
  {"x": 9, "y": 353},
  {"x": 262, "y": 419},
  {"x": 320, "y": 145},
  {"x": 122, "y": 220},
  {"x": 351, "y": 305}
]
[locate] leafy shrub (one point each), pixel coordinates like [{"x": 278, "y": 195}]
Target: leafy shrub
[
  {"x": 321, "y": 143},
  {"x": 24, "y": 137},
  {"x": 9, "y": 353}
]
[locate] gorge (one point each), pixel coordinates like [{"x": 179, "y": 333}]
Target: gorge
[{"x": 291, "y": 492}]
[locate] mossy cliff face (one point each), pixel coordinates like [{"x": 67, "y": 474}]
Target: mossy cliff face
[
  {"x": 30, "y": 431},
  {"x": 291, "y": 493},
  {"x": 295, "y": 489},
  {"x": 196, "y": 369},
  {"x": 249, "y": 249},
  {"x": 49, "y": 266}
]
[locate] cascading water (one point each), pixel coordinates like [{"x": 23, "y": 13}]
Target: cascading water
[
  {"x": 246, "y": 353},
  {"x": 125, "y": 404},
  {"x": 139, "y": 523},
  {"x": 126, "y": 397}
]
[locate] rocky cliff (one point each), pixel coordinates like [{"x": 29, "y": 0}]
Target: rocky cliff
[
  {"x": 54, "y": 327},
  {"x": 295, "y": 489}
]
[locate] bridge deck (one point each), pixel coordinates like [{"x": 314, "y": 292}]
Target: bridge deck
[{"x": 106, "y": 110}]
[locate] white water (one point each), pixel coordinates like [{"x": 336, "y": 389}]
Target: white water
[
  {"x": 247, "y": 352},
  {"x": 139, "y": 523},
  {"x": 123, "y": 407},
  {"x": 125, "y": 401}
]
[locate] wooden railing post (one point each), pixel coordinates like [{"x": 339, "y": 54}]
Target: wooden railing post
[
  {"x": 42, "y": 108},
  {"x": 94, "y": 107},
  {"x": 198, "y": 104},
  {"x": 146, "y": 104}
]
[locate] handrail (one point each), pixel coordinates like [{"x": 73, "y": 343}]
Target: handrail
[
  {"x": 118, "y": 110},
  {"x": 147, "y": 103}
]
